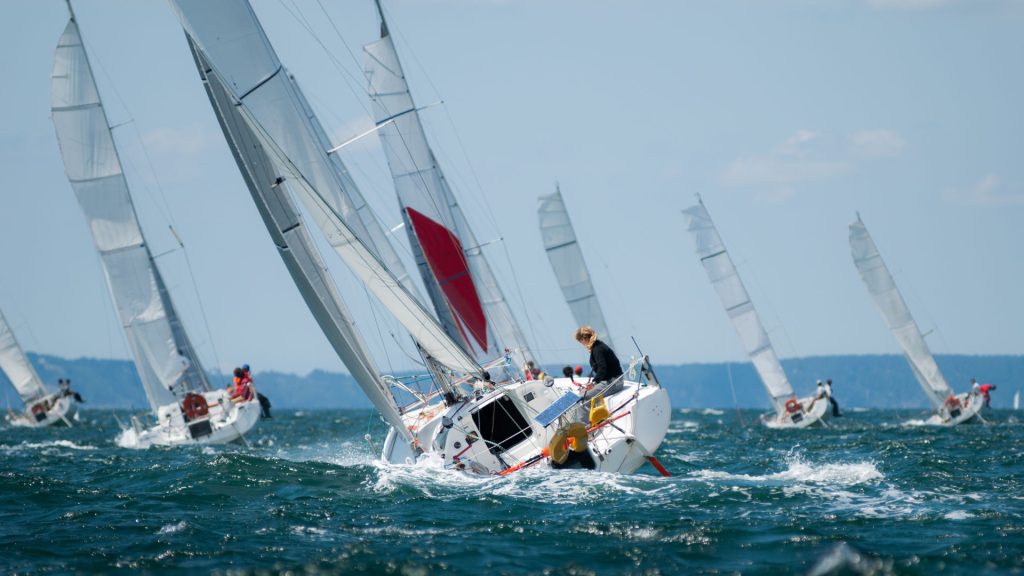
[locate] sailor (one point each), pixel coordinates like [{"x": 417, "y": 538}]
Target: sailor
[
  {"x": 831, "y": 399},
  {"x": 604, "y": 364},
  {"x": 975, "y": 387},
  {"x": 264, "y": 401},
  {"x": 529, "y": 370},
  {"x": 820, "y": 392},
  {"x": 578, "y": 370},
  {"x": 240, "y": 389},
  {"x": 985, "y": 389},
  {"x": 567, "y": 372}
]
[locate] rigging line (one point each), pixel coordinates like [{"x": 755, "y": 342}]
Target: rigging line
[
  {"x": 380, "y": 333},
  {"x": 199, "y": 300},
  {"x": 346, "y": 75}
]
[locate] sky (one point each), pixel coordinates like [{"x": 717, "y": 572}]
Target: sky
[{"x": 787, "y": 116}]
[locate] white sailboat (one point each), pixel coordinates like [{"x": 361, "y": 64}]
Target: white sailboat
[
  {"x": 567, "y": 262},
  {"x": 42, "y": 407},
  {"x": 480, "y": 418},
  {"x": 1016, "y": 400},
  {"x": 790, "y": 411},
  {"x": 187, "y": 411},
  {"x": 950, "y": 409}
]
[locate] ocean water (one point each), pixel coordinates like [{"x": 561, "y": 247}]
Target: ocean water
[{"x": 875, "y": 493}]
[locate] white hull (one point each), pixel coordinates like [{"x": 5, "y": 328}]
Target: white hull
[
  {"x": 226, "y": 422},
  {"x": 969, "y": 411},
  {"x": 58, "y": 412},
  {"x": 639, "y": 421},
  {"x": 811, "y": 412}
]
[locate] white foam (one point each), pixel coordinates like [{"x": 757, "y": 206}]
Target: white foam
[
  {"x": 800, "y": 471},
  {"x": 957, "y": 515},
  {"x": 172, "y": 528},
  {"x": 712, "y": 412},
  {"x": 45, "y": 446}
]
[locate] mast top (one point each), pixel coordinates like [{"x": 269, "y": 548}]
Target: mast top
[
  {"x": 380, "y": 13},
  {"x": 71, "y": 11}
]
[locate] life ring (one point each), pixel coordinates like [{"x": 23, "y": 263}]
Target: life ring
[
  {"x": 194, "y": 406},
  {"x": 792, "y": 405},
  {"x": 572, "y": 437},
  {"x": 38, "y": 409}
]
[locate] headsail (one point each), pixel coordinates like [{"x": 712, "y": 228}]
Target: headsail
[
  {"x": 567, "y": 262},
  {"x": 724, "y": 277},
  {"x": 459, "y": 280},
  {"x": 230, "y": 35},
  {"x": 890, "y": 303},
  {"x": 164, "y": 357},
  {"x": 16, "y": 366}
]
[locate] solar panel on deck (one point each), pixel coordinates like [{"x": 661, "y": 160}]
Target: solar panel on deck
[{"x": 559, "y": 407}]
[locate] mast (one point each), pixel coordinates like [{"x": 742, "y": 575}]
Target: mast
[
  {"x": 894, "y": 310},
  {"x": 567, "y": 263},
  {"x": 16, "y": 366},
  {"x": 459, "y": 280},
  {"x": 726, "y": 281},
  {"x": 164, "y": 357}
]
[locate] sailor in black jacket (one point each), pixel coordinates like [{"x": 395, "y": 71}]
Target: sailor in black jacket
[{"x": 604, "y": 364}]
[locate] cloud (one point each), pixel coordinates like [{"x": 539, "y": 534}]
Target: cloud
[
  {"x": 878, "y": 143},
  {"x": 808, "y": 157},
  {"x": 796, "y": 160},
  {"x": 984, "y": 192}
]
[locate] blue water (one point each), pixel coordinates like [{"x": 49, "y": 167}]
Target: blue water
[{"x": 871, "y": 494}]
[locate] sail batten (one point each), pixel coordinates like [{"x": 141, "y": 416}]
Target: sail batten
[
  {"x": 164, "y": 358},
  {"x": 890, "y": 303},
  {"x": 16, "y": 366},
  {"x": 741, "y": 311},
  {"x": 566, "y": 258}
]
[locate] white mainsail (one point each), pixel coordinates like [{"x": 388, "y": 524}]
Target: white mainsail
[
  {"x": 164, "y": 358},
  {"x": 724, "y": 277},
  {"x": 16, "y": 366},
  {"x": 288, "y": 232},
  {"x": 567, "y": 262},
  {"x": 890, "y": 303},
  {"x": 230, "y": 35},
  {"x": 459, "y": 280}
]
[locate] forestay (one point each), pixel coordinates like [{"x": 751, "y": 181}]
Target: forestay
[
  {"x": 230, "y": 35},
  {"x": 726, "y": 281},
  {"x": 16, "y": 366},
  {"x": 567, "y": 262},
  {"x": 459, "y": 280},
  {"x": 296, "y": 247},
  {"x": 164, "y": 357},
  {"x": 890, "y": 303}
]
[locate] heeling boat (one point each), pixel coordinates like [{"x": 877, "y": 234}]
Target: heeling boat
[
  {"x": 467, "y": 297},
  {"x": 790, "y": 411},
  {"x": 480, "y": 418},
  {"x": 950, "y": 409},
  {"x": 42, "y": 407},
  {"x": 567, "y": 263},
  {"x": 187, "y": 410}
]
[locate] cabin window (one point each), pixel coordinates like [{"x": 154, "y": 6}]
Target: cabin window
[{"x": 501, "y": 424}]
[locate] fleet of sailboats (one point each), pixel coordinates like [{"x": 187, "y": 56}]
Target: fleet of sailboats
[{"x": 475, "y": 410}]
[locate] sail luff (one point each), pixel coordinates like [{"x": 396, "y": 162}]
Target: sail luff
[
  {"x": 566, "y": 258},
  {"x": 890, "y": 303},
  {"x": 477, "y": 302},
  {"x": 163, "y": 357},
  {"x": 16, "y": 366},
  {"x": 736, "y": 301},
  {"x": 287, "y": 230}
]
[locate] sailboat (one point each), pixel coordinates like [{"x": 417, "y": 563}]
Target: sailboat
[
  {"x": 567, "y": 262},
  {"x": 42, "y": 407},
  {"x": 950, "y": 409},
  {"x": 471, "y": 416},
  {"x": 466, "y": 295},
  {"x": 1016, "y": 400},
  {"x": 187, "y": 410},
  {"x": 790, "y": 411}
]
